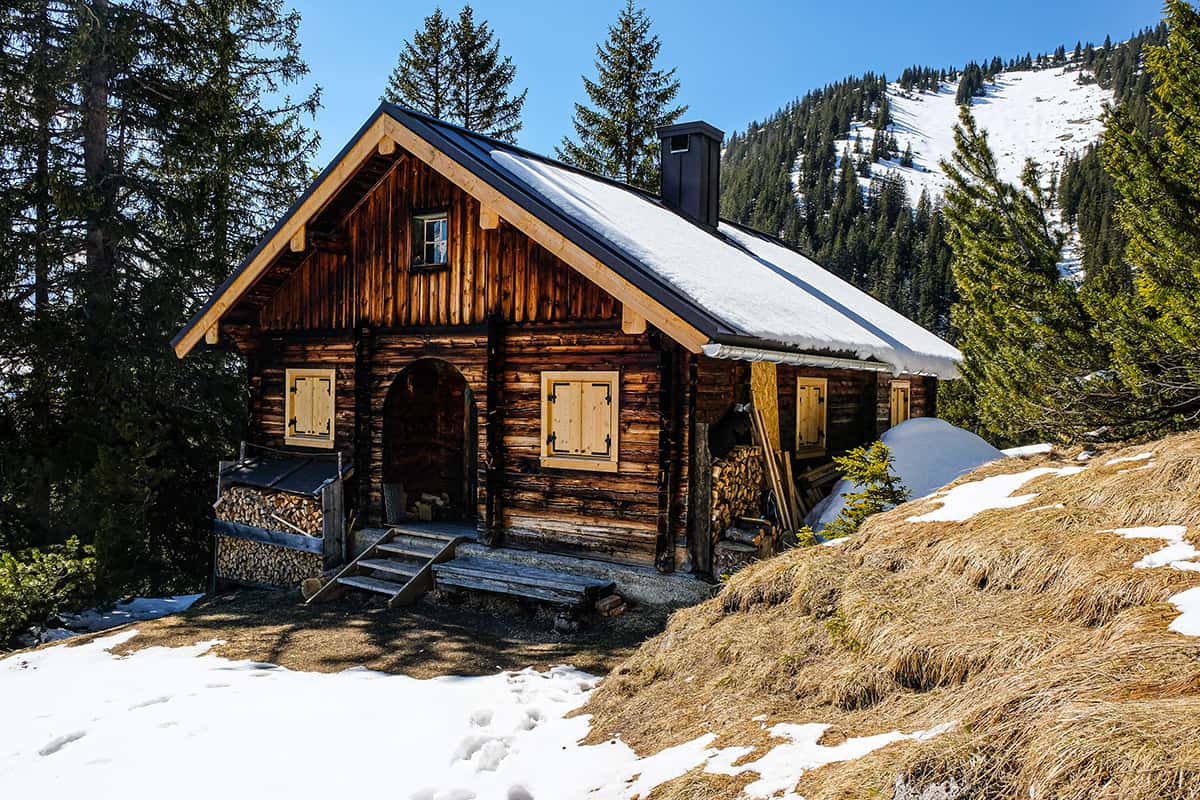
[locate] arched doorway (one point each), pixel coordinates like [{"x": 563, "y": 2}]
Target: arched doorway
[{"x": 429, "y": 439}]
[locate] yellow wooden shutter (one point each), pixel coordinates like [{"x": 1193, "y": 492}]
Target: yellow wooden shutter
[
  {"x": 321, "y": 420},
  {"x": 596, "y": 435},
  {"x": 564, "y": 417},
  {"x": 302, "y": 402},
  {"x": 901, "y": 401},
  {"x": 810, "y": 413}
]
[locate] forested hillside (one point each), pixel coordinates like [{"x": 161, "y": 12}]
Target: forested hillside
[{"x": 850, "y": 172}]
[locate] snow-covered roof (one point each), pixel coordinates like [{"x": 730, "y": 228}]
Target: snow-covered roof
[
  {"x": 732, "y": 286},
  {"x": 758, "y": 287}
]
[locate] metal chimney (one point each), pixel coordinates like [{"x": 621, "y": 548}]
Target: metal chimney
[{"x": 691, "y": 170}]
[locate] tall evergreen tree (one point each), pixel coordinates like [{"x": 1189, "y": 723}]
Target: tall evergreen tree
[
  {"x": 630, "y": 98},
  {"x": 1155, "y": 171},
  {"x": 480, "y": 98},
  {"x": 167, "y": 153},
  {"x": 424, "y": 78},
  {"x": 1028, "y": 352},
  {"x": 454, "y": 71}
]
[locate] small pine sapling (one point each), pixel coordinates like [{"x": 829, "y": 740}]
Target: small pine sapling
[{"x": 878, "y": 489}]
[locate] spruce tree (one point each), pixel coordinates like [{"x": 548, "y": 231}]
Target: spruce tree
[
  {"x": 1157, "y": 329},
  {"x": 630, "y": 98},
  {"x": 480, "y": 93},
  {"x": 423, "y": 78},
  {"x": 1028, "y": 350},
  {"x": 454, "y": 71}
]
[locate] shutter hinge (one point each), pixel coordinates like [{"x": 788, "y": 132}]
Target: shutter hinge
[
  {"x": 608, "y": 443},
  {"x": 608, "y": 393},
  {"x": 552, "y": 397},
  {"x": 551, "y": 438},
  {"x": 292, "y": 423}
]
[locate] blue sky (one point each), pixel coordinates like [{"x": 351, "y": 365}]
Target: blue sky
[{"x": 737, "y": 62}]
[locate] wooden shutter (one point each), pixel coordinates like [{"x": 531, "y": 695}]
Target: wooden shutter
[
  {"x": 810, "y": 414},
  {"x": 901, "y": 401},
  {"x": 310, "y": 407},
  {"x": 596, "y": 436},
  {"x": 564, "y": 399},
  {"x": 579, "y": 413},
  {"x": 302, "y": 391}
]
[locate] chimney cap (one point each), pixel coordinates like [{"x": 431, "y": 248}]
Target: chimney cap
[{"x": 698, "y": 126}]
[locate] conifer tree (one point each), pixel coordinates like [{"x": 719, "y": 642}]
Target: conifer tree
[
  {"x": 1155, "y": 171},
  {"x": 1027, "y": 347},
  {"x": 453, "y": 70},
  {"x": 630, "y": 98},
  {"x": 480, "y": 94},
  {"x": 423, "y": 77}
]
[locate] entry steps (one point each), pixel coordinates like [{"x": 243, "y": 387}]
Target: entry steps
[{"x": 399, "y": 565}]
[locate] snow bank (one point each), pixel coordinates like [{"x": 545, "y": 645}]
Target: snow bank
[
  {"x": 135, "y": 610},
  {"x": 138, "y": 723},
  {"x": 1042, "y": 448},
  {"x": 968, "y": 499},
  {"x": 927, "y": 454},
  {"x": 759, "y": 288}
]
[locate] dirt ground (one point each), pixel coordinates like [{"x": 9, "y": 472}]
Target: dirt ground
[{"x": 430, "y": 638}]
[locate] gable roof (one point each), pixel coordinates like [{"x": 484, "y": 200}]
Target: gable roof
[{"x": 701, "y": 287}]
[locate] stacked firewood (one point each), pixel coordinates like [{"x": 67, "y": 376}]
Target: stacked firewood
[
  {"x": 277, "y": 511},
  {"x": 266, "y": 564},
  {"x": 737, "y": 482}
]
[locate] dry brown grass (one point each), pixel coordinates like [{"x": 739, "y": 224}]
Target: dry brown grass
[{"x": 1027, "y": 626}]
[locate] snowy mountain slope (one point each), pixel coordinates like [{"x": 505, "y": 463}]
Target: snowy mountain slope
[{"x": 1040, "y": 114}]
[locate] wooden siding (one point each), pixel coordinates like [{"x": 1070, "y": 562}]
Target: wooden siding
[
  {"x": 602, "y": 515},
  {"x": 363, "y": 276}
]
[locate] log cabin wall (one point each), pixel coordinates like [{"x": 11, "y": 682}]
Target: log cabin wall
[
  {"x": 364, "y": 275},
  {"x": 611, "y": 516}
]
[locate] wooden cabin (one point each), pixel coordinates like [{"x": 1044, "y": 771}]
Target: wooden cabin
[{"x": 478, "y": 335}]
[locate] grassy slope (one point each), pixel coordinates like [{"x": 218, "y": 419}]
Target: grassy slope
[{"x": 1027, "y": 626}]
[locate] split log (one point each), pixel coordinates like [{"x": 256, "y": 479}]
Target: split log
[
  {"x": 737, "y": 482},
  {"x": 263, "y": 508},
  {"x": 266, "y": 564}
]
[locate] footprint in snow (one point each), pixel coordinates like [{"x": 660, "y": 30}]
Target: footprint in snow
[
  {"x": 153, "y": 701},
  {"x": 519, "y": 793},
  {"x": 58, "y": 743},
  {"x": 445, "y": 794},
  {"x": 485, "y": 752},
  {"x": 481, "y": 718},
  {"x": 533, "y": 717}
]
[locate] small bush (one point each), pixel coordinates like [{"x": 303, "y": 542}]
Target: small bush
[
  {"x": 869, "y": 468},
  {"x": 36, "y": 583}
]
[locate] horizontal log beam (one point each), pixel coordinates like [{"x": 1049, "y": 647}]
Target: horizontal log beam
[{"x": 292, "y": 541}]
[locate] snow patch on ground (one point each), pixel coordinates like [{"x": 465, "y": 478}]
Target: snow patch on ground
[
  {"x": 927, "y": 453},
  {"x": 1028, "y": 450},
  {"x": 1127, "y": 459},
  {"x": 135, "y": 610},
  {"x": 83, "y": 722},
  {"x": 1178, "y": 554},
  {"x": 968, "y": 499}
]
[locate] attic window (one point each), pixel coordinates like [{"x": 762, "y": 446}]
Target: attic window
[
  {"x": 680, "y": 143},
  {"x": 430, "y": 239},
  {"x": 309, "y": 403},
  {"x": 579, "y": 420}
]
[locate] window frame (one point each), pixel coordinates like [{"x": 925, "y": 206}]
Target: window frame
[
  {"x": 290, "y": 437},
  {"x": 417, "y": 244},
  {"x": 892, "y": 387},
  {"x": 804, "y": 450},
  {"x": 593, "y": 463}
]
